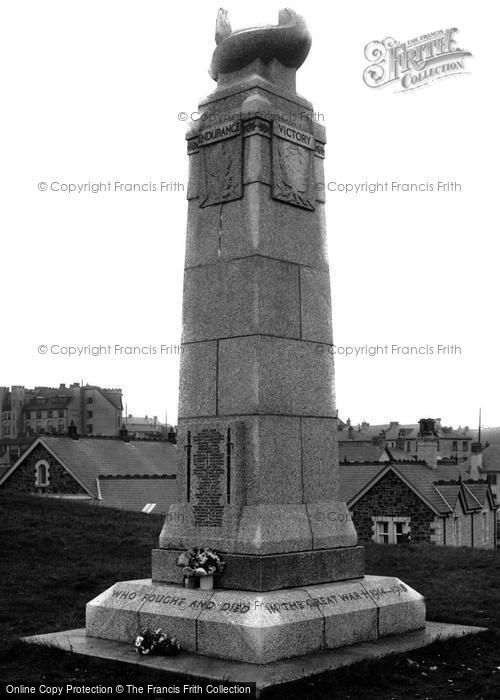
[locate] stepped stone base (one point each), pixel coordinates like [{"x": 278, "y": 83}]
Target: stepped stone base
[
  {"x": 259, "y": 628},
  {"x": 270, "y": 572},
  {"x": 201, "y": 669}
]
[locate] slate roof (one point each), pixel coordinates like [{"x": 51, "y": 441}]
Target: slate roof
[
  {"x": 480, "y": 489},
  {"x": 113, "y": 397},
  {"x": 450, "y": 493},
  {"x": 423, "y": 479},
  {"x": 350, "y": 451},
  {"x": 470, "y": 498},
  {"x": 393, "y": 432},
  {"x": 398, "y": 454},
  {"x": 134, "y": 494},
  {"x": 89, "y": 458},
  {"x": 355, "y": 478},
  {"x": 408, "y": 431}
]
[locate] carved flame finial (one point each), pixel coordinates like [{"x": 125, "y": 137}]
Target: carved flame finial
[
  {"x": 222, "y": 26},
  {"x": 288, "y": 41}
]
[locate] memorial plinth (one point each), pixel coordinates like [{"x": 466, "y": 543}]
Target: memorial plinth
[{"x": 258, "y": 466}]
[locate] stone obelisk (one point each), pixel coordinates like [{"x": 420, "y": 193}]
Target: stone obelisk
[
  {"x": 258, "y": 467},
  {"x": 258, "y": 470}
]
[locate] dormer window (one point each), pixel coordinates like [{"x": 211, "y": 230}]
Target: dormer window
[{"x": 41, "y": 473}]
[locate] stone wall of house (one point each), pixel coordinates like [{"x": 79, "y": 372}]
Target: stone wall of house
[
  {"x": 484, "y": 530},
  {"x": 390, "y": 496},
  {"x": 24, "y": 477},
  {"x": 467, "y": 526},
  {"x": 438, "y": 527}
]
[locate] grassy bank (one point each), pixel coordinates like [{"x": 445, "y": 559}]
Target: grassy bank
[{"x": 56, "y": 556}]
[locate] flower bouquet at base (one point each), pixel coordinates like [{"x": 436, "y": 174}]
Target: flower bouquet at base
[
  {"x": 158, "y": 642},
  {"x": 200, "y": 564}
]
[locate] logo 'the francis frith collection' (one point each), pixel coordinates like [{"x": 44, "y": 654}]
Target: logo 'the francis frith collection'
[{"x": 414, "y": 63}]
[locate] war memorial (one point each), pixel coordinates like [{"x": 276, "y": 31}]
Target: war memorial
[{"x": 258, "y": 469}]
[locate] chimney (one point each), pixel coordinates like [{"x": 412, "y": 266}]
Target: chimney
[
  {"x": 476, "y": 460},
  {"x": 72, "y": 430},
  {"x": 427, "y": 442},
  {"x": 124, "y": 433},
  {"x": 427, "y": 427},
  {"x": 62, "y": 386}
]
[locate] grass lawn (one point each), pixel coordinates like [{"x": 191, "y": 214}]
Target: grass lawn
[{"x": 56, "y": 555}]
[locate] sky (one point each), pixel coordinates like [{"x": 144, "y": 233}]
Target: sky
[{"x": 97, "y": 92}]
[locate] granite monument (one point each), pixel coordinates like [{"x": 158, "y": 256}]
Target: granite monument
[{"x": 258, "y": 467}]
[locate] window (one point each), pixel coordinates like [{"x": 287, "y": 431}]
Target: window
[
  {"x": 454, "y": 446},
  {"x": 61, "y": 426},
  {"x": 41, "y": 473},
  {"x": 491, "y": 479},
  {"x": 6, "y": 430},
  {"x": 89, "y": 399},
  {"x": 90, "y": 427},
  {"x": 90, "y": 414},
  {"x": 388, "y": 529},
  {"x": 465, "y": 446},
  {"x": 50, "y": 414},
  {"x": 27, "y": 428},
  {"x": 383, "y": 532},
  {"x": 39, "y": 428},
  {"x": 408, "y": 446},
  {"x": 60, "y": 413},
  {"x": 399, "y": 532}
]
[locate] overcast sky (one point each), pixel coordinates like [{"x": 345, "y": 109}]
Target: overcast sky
[{"x": 92, "y": 91}]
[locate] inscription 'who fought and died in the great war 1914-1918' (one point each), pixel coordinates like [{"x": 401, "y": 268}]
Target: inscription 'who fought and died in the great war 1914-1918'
[{"x": 342, "y": 597}]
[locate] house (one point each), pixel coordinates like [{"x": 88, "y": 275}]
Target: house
[
  {"x": 138, "y": 475},
  {"x": 49, "y": 410},
  {"x": 489, "y": 467},
  {"x": 453, "y": 445},
  {"x": 393, "y": 501},
  {"x": 26, "y": 413},
  {"x": 144, "y": 426}
]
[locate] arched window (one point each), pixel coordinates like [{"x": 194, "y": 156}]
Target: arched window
[{"x": 41, "y": 473}]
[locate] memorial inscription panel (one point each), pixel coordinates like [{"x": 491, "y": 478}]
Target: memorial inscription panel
[{"x": 208, "y": 477}]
